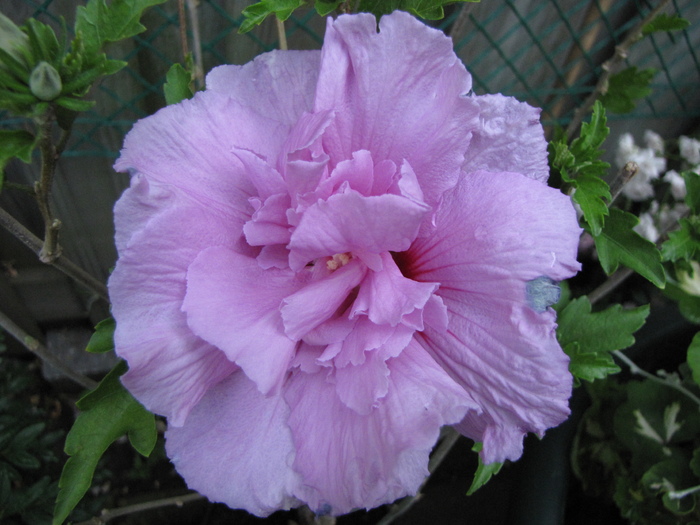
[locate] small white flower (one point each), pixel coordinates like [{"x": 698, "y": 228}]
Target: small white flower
[
  {"x": 654, "y": 142},
  {"x": 646, "y": 227},
  {"x": 677, "y": 184},
  {"x": 651, "y": 166},
  {"x": 690, "y": 149}
]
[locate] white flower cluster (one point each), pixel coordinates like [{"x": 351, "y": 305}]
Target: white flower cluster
[{"x": 652, "y": 164}]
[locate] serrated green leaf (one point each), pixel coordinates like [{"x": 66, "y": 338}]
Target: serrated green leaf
[
  {"x": 593, "y": 134},
  {"x": 589, "y": 366},
  {"x": 324, "y": 8},
  {"x": 694, "y": 357},
  {"x": 102, "y": 340},
  {"x": 107, "y": 413},
  {"x": 483, "y": 472},
  {"x": 625, "y": 87},
  {"x": 683, "y": 244},
  {"x": 587, "y": 338},
  {"x": 255, "y": 14},
  {"x": 99, "y": 23},
  {"x": 591, "y": 194},
  {"x": 579, "y": 166},
  {"x": 177, "y": 84},
  {"x": 664, "y": 22},
  {"x": 619, "y": 244}
]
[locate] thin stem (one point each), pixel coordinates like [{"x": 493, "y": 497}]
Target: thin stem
[
  {"x": 448, "y": 441},
  {"x": 615, "y": 280},
  {"x": 19, "y": 187},
  {"x": 182, "y": 22},
  {"x": 609, "y": 66},
  {"x": 281, "y": 34},
  {"x": 42, "y": 352},
  {"x": 72, "y": 270},
  {"x": 635, "y": 369},
  {"x": 50, "y": 250},
  {"x": 678, "y": 494},
  {"x": 110, "y": 514},
  {"x": 196, "y": 44}
]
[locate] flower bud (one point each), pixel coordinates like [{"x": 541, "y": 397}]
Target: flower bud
[
  {"x": 12, "y": 39},
  {"x": 45, "y": 82}
]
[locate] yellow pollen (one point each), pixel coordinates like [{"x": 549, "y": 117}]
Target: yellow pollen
[{"x": 338, "y": 260}]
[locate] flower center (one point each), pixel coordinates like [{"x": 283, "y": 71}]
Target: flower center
[{"x": 338, "y": 260}]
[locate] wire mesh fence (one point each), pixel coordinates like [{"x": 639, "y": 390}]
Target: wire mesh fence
[{"x": 546, "y": 53}]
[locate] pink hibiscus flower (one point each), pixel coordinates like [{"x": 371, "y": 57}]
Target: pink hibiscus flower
[{"x": 326, "y": 256}]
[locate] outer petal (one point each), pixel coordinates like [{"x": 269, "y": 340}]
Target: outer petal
[
  {"x": 348, "y": 460},
  {"x": 278, "y": 85},
  {"x": 189, "y": 147},
  {"x": 237, "y": 449},
  {"x": 398, "y": 94},
  {"x": 234, "y": 304},
  {"x": 509, "y": 138},
  {"x": 495, "y": 232},
  {"x": 169, "y": 367}
]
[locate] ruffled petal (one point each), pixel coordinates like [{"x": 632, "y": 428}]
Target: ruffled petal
[
  {"x": 494, "y": 233},
  {"x": 387, "y": 296},
  {"x": 278, "y": 85},
  {"x": 509, "y": 138},
  {"x": 351, "y": 222},
  {"x": 234, "y": 304},
  {"x": 397, "y": 93},
  {"x": 348, "y": 460},
  {"x": 189, "y": 147},
  {"x": 169, "y": 367},
  {"x": 236, "y": 448}
]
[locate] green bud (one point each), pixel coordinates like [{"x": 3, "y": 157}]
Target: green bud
[
  {"x": 690, "y": 283},
  {"x": 45, "y": 82},
  {"x": 12, "y": 39}
]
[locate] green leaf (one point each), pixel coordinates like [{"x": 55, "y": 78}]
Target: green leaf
[
  {"x": 619, "y": 244},
  {"x": 324, "y": 8},
  {"x": 664, "y": 22},
  {"x": 103, "y": 338},
  {"x": 483, "y": 472},
  {"x": 683, "y": 244},
  {"x": 579, "y": 166},
  {"x": 428, "y": 9},
  {"x": 177, "y": 84},
  {"x": 625, "y": 87},
  {"x": 255, "y": 14},
  {"x": 99, "y": 23},
  {"x": 14, "y": 143},
  {"x": 107, "y": 413},
  {"x": 43, "y": 41},
  {"x": 589, "y": 366},
  {"x": 587, "y": 338},
  {"x": 694, "y": 357}
]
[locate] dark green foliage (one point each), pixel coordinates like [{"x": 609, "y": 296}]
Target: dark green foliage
[
  {"x": 29, "y": 446},
  {"x": 639, "y": 444}
]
